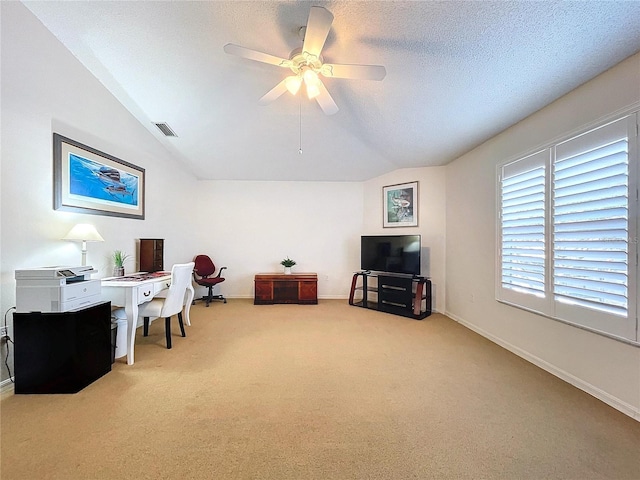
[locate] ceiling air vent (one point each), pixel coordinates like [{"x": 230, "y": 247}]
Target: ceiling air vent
[{"x": 166, "y": 129}]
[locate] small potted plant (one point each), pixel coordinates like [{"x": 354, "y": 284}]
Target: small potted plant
[
  {"x": 119, "y": 257},
  {"x": 287, "y": 263}
]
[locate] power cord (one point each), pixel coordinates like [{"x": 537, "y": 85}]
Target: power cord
[{"x": 7, "y": 338}]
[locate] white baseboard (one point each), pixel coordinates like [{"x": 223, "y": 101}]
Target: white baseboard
[
  {"x": 320, "y": 297},
  {"x": 592, "y": 390},
  {"x": 6, "y": 387}
]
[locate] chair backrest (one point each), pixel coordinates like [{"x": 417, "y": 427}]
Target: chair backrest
[
  {"x": 204, "y": 266},
  {"x": 180, "y": 278}
]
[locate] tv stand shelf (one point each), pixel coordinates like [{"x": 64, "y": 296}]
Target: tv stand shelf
[{"x": 400, "y": 295}]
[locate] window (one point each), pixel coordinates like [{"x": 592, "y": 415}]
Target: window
[{"x": 568, "y": 230}]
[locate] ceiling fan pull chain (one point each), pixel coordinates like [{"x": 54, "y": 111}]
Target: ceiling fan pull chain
[{"x": 300, "y": 110}]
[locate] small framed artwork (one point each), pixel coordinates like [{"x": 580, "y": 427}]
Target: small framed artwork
[
  {"x": 400, "y": 208},
  {"x": 86, "y": 180}
]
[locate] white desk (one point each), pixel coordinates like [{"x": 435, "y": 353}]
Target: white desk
[{"x": 132, "y": 290}]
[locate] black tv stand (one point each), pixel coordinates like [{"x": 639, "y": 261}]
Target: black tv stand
[{"x": 408, "y": 296}]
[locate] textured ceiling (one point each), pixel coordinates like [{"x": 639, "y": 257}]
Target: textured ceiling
[{"x": 457, "y": 74}]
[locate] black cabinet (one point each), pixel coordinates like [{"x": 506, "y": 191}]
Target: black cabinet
[
  {"x": 151, "y": 254},
  {"x": 400, "y": 295},
  {"x": 395, "y": 292},
  {"x": 61, "y": 352}
]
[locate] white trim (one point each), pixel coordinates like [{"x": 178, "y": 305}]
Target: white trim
[
  {"x": 329, "y": 297},
  {"x": 581, "y": 326},
  {"x": 6, "y": 386},
  {"x": 320, "y": 297},
  {"x": 615, "y": 402}
]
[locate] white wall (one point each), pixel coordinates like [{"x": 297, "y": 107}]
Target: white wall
[
  {"x": 431, "y": 220},
  {"x": 251, "y": 226},
  {"x": 604, "y": 367},
  {"x": 46, "y": 90}
]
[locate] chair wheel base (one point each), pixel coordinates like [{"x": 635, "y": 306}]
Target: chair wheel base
[{"x": 208, "y": 299}]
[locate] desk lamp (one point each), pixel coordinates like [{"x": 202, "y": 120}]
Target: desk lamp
[{"x": 85, "y": 233}]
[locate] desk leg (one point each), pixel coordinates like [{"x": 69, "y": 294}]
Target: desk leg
[
  {"x": 131, "y": 309},
  {"x": 187, "y": 305}
]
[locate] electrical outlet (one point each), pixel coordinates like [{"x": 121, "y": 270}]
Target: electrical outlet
[{"x": 3, "y": 332}]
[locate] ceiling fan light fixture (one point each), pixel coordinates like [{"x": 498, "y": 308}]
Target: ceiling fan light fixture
[
  {"x": 293, "y": 84},
  {"x": 311, "y": 81},
  {"x": 312, "y": 90},
  {"x": 310, "y": 77}
]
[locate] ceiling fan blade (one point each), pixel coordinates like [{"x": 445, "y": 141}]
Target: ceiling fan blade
[
  {"x": 243, "y": 52},
  {"x": 274, "y": 93},
  {"x": 325, "y": 100},
  {"x": 318, "y": 27},
  {"x": 357, "y": 72}
]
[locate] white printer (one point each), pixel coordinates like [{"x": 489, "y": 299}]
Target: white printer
[{"x": 56, "y": 289}]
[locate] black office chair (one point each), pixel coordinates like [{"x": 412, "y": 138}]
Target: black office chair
[{"x": 202, "y": 274}]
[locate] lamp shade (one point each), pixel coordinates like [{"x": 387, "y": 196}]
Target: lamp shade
[{"x": 84, "y": 232}]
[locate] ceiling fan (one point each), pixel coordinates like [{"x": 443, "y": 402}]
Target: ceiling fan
[{"x": 307, "y": 64}]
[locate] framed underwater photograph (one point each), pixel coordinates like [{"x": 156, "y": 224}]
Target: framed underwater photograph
[
  {"x": 400, "y": 208},
  {"x": 86, "y": 180}
]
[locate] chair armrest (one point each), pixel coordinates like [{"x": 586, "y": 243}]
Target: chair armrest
[{"x": 220, "y": 272}]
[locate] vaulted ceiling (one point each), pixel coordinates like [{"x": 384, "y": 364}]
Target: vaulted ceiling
[{"x": 458, "y": 73}]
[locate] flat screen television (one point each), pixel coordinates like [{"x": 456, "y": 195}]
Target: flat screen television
[{"x": 391, "y": 253}]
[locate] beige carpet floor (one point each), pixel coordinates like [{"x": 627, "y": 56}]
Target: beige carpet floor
[{"x": 318, "y": 392}]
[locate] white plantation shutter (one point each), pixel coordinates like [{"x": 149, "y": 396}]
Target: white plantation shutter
[
  {"x": 594, "y": 262},
  {"x": 523, "y": 242},
  {"x": 583, "y": 267},
  {"x": 522, "y": 230},
  {"x": 591, "y": 220}
]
